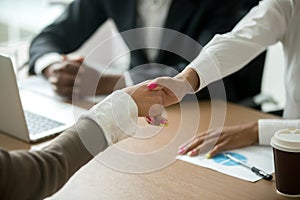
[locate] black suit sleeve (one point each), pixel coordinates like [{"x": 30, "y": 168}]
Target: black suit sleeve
[{"x": 69, "y": 31}]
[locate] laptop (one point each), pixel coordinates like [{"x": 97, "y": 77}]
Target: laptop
[{"x": 30, "y": 116}]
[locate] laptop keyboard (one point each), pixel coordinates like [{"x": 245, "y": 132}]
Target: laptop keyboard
[{"x": 37, "y": 124}]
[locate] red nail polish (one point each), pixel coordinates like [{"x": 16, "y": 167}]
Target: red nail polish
[
  {"x": 151, "y": 86},
  {"x": 149, "y": 120}
]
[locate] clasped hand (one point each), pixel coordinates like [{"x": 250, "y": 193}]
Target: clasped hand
[{"x": 72, "y": 77}]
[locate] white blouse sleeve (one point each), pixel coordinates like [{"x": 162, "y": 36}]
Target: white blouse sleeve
[
  {"x": 225, "y": 54},
  {"x": 116, "y": 115},
  {"x": 267, "y": 128}
]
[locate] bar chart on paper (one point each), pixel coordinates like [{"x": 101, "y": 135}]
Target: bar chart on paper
[{"x": 259, "y": 156}]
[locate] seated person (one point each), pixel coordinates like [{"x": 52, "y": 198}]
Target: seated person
[
  {"x": 200, "y": 20},
  {"x": 270, "y": 22},
  {"x": 37, "y": 174}
]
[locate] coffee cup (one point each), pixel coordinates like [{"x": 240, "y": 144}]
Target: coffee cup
[{"x": 286, "y": 149}]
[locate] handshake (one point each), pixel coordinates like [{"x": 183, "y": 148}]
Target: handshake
[
  {"x": 72, "y": 77},
  {"x": 152, "y": 96}
]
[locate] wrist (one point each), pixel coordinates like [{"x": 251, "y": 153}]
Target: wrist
[
  {"x": 253, "y": 131},
  {"x": 109, "y": 83},
  {"x": 116, "y": 115},
  {"x": 191, "y": 78},
  {"x": 46, "y": 72}
]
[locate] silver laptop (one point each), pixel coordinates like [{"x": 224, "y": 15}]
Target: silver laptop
[{"x": 27, "y": 115}]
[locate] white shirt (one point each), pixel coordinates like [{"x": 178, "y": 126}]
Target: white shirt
[
  {"x": 270, "y": 22},
  {"x": 150, "y": 13}
]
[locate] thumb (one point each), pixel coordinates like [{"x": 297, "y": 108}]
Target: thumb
[
  {"x": 79, "y": 59},
  {"x": 154, "y": 86},
  {"x": 160, "y": 83}
]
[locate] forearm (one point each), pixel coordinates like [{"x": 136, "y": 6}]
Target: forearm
[
  {"x": 191, "y": 76},
  {"x": 109, "y": 83},
  {"x": 37, "y": 174},
  {"x": 225, "y": 54}
]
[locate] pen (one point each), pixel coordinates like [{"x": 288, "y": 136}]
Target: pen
[{"x": 257, "y": 171}]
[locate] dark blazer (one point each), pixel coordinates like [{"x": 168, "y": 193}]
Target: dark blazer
[{"x": 198, "y": 19}]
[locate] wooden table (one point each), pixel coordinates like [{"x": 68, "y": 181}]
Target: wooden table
[{"x": 177, "y": 180}]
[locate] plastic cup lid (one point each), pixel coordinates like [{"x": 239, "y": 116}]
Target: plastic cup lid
[{"x": 287, "y": 140}]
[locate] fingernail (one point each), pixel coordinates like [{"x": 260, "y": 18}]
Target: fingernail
[
  {"x": 152, "y": 85},
  {"x": 181, "y": 147},
  {"x": 163, "y": 125},
  {"x": 181, "y": 151},
  {"x": 191, "y": 153},
  {"x": 149, "y": 120},
  {"x": 207, "y": 156},
  {"x": 164, "y": 122}
]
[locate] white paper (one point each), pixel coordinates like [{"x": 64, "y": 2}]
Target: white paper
[{"x": 259, "y": 156}]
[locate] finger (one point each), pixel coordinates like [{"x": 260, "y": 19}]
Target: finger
[
  {"x": 209, "y": 144},
  {"x": 62, "y": 79},
  {"x": 154, "y": 86},
  {"x": 181, "y": 151},
  {"x": 184, "y": 145},
  {"x": 203, "y": 146},
  {"x": 161, "y": 82},
  {"x": 190, "y": 141},
  {"x": 156, "y": 110},
  {"x": 79, "y": 59},
  {"x": 159, "y": 121},
  {"x": 63, "y": 91},
  {"x": 216, "y": 150},
  {"x": 196, "y": 140},
  {"x": 194, "y": 151},
  {"x": 71, "y": 67},
  {"x": 75, "y": 59}
]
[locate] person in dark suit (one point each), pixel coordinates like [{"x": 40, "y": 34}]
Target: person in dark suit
[{"x": 198, "y": 19}]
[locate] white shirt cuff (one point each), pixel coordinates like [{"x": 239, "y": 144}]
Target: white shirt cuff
[
  {"x": 207, "y": 68},
  {"x": 117, "y": 116},
  {"x": 46, "y": 60},
  {"x": 267, "y": 128}
]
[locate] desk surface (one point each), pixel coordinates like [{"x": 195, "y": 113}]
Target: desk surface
[{"x": 178, "y": 180}]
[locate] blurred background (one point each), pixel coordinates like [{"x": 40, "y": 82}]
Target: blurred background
[{"x": 21, "y": 20}]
